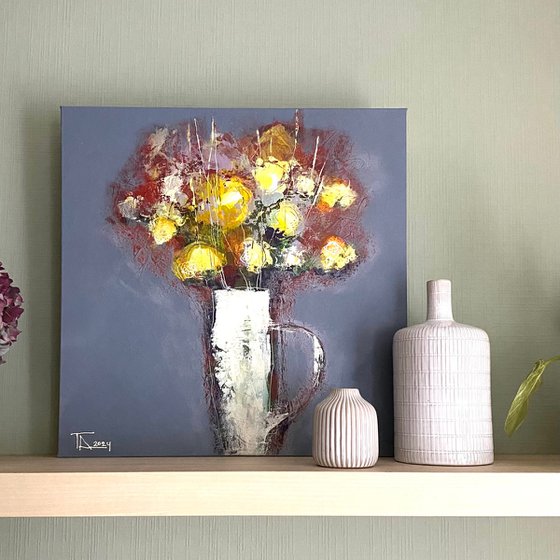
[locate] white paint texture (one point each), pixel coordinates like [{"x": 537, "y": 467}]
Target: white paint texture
[
  {"x": 243, "y": 361},
  {"x": 480, "y": 79}
]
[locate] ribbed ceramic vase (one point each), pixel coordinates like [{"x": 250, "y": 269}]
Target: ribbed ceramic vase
[
  {"x": 442, "y": 396},
  {"x": 345, "y": 433}
]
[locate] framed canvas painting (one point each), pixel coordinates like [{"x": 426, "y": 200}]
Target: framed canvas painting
[{"x": 222, "y": 270}]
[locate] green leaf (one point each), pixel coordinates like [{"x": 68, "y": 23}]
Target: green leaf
[{"x": 520, "y": 404}]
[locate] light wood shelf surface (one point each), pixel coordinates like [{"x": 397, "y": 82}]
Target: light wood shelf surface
[{"x": 522, "y": 485}]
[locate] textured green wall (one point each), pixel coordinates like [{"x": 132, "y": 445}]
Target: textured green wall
[
  {"x": 481, "y": 80},
  {"x": 277, "y": 538}
]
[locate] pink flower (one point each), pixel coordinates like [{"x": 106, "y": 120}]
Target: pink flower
[{"x": 10, "y": 312}]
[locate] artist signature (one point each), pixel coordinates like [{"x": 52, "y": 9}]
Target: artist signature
[{"x": 85, "y": 440}]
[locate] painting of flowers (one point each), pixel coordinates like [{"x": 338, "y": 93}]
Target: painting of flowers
[{"x": 222, "y": 269}]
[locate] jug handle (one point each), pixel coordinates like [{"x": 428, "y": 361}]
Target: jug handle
[{"x": 305, "y": 394}]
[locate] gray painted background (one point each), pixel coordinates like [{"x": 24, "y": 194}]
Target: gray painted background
[{"x": 480, "y": 79}]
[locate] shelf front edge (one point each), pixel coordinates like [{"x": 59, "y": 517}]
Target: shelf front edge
[{"x": 279, "y": 493}]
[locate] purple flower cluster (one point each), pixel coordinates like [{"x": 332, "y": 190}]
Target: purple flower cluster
[{"x": 10, "y": 311}]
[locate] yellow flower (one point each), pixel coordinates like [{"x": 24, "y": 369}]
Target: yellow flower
[
  {"x": 269, "y": 174},
  {"x": 162, "y": 229},
  {"x": 337, "y": 254},
  {"x": 256, "y": 256},
  {"x": 197, "y": 260},
  {"x": 337, "y": 193},
  {"x": 226, "y": 202},
  {"x": 286, "y": 218},
  {"x": 169, "y": 211}
]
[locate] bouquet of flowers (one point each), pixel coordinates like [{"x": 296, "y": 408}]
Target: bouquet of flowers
[
  {"x": 10, "y": 311},
  {"x": 232, "y": 212}
]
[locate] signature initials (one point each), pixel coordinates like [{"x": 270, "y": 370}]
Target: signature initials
[{"x": 84, "y": 441}]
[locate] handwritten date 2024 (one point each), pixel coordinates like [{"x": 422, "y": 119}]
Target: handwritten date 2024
[{"x": 85, "y": 441}]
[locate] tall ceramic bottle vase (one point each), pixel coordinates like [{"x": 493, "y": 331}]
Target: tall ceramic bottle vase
[{"x": 442, "y": 388}]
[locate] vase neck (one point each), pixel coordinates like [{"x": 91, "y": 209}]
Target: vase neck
[
  {"x": 345, "y": 392},
  {"x": 439, "y": 301}
]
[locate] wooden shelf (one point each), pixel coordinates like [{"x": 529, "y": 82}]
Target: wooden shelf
[{"x": 46, "y": 486}]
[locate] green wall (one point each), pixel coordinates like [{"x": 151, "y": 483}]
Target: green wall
[{"x": 481, "y": 79}]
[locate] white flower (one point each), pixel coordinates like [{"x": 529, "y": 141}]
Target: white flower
[
  {"x": 129, "y": 208},
  {"x": 156, "y": 140},
  {"x": 172, "y": 189},
  {"x": 305, "y": 185},
  {"x": 293, "y": 256}
]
